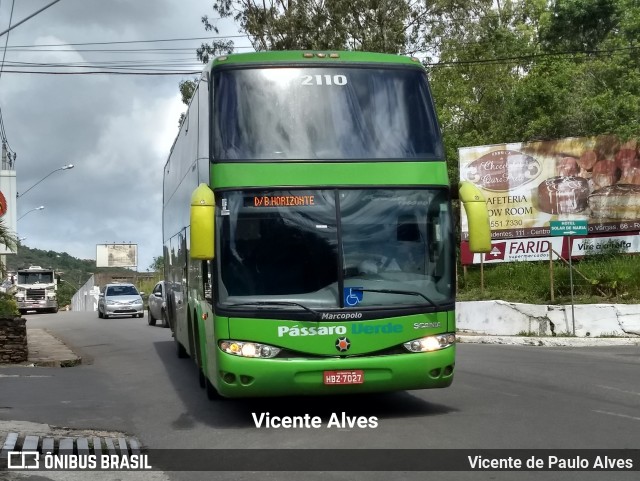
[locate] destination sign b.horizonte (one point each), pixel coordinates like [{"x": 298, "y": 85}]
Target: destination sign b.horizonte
[{"x": 279, "y": 200}]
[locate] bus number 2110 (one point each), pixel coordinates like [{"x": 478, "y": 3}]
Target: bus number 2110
[{"x": 324, "y": 80}]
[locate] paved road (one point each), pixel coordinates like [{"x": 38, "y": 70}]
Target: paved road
[{"x": 503, "y": 397}]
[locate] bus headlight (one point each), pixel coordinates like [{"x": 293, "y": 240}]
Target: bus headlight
[
  {"x": 249, "y": 349},
  {"x": 430, "y": 343}
]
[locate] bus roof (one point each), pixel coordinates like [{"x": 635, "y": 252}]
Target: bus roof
[{"x": 312, "y": 56}]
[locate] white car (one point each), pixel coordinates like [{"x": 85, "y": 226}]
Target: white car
[
  {"x": 120, "y": 300},
  {"x": 158, "y": 306}
]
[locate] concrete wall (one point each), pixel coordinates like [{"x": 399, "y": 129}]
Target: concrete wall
[
  {"x": 507, "y": 319},
  {"x": 13, "y": 340},
  {"x": 86, "y": 299}
]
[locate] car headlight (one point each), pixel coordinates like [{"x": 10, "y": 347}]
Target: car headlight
[
  {"x": 111, "y": 303},
  {"x": 430, "y": 343},
  {"x": 51, "y": 295},
  {"x": 20, "y": 294},
  {"x": 249, "y": 349}
]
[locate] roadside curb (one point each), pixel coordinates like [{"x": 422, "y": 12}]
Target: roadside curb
[
  {"x": 45, "y": 350},
  {"x": 549, "y": 341}
]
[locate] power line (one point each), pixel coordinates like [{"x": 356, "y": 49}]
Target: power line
[
  {"x": 151, "y": 67},
  {"x": 107, "y": 72},
  {"x": 3, "y": 133},
  {"x": 509, "y": 60},
  {"x": 27, "y": 18},
  {"x": 121, "y": 42}
]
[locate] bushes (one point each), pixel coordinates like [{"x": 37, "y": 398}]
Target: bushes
[
  {"x": 610, "y": 278},
  {"x": 8, "y": 306}
]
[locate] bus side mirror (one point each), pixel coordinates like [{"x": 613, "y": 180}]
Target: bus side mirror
[
  {"x": 202, "y": 220},
  {"x": 475, "y": 206}
]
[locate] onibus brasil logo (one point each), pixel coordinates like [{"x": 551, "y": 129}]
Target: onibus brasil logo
[{"x": 32, "y": 460}]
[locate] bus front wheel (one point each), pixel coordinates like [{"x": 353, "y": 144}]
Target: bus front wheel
[
  {"x": 212, "y": 392},
  {"x": 180, "y": 350}
]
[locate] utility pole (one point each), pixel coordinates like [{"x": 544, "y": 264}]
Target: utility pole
[
  {"x": 3, "y": 257},
  {"x": 8, "y": 161}
]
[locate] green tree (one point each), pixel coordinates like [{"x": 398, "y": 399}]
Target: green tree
[
  {"x": 187, "y": 88},
  {"x": 8, "y": 239},
  {"x": 391, "y": 26},
  {"x": 581, "y": 24},
  {"x": 518, "y": 71},
  {"x": 65, "y": 292},
  {"x": 505, "y": 71},
  {"x": 157, "y": 265}
]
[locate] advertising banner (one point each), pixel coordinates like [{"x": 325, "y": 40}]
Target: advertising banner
[
  {"x": 8, "y": 205},
  {"x": 537, "y": 248},
  {"x": 116, "y": 255},
  {"x": 528, "y": 185}
]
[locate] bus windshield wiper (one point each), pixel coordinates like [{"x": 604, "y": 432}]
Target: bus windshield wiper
[
  {"x": 394, "y": 291},
  {"x": 316, "y": 315}
]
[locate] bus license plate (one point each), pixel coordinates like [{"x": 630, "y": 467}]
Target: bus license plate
[{"x": 344, "y": 377}]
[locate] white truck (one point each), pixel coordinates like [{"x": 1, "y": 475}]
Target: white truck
[{"x": 36, "y": 290}]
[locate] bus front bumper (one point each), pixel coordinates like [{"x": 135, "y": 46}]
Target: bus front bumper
[{"x": 243, "y": 377}]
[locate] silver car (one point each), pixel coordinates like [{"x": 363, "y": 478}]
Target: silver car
[
  {"x": 158, "y": 306},
  {"x": 120, "y": 300}
]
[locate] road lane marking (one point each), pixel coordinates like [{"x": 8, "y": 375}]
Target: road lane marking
[
  {"x": 617, "y": 414},
  {"x": 21, "y": 375},
  {"x": 619, "y": 390}
]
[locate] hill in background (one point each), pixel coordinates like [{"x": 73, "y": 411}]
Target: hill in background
[{"x": 72, "y": 272}]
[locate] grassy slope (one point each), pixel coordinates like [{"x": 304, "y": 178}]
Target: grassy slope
[{"x": 604, "y": 279}]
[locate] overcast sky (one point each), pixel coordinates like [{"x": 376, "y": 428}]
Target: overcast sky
[{"x": 115, "y": 129}]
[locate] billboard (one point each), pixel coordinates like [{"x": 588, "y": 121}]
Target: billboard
[
  {"x": 541, "y": 248},
  {"x": 116, "y": 255},
  {"x": 527, "y": 185},
  {"x": 8, "y": 207}
]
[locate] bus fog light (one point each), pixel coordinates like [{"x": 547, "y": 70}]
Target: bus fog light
[
  {"x": 430, "y": 343},
  {"x": 248, "y": 349}
]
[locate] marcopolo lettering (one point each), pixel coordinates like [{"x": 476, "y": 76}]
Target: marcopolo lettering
[{"x": 341, "y": 315}]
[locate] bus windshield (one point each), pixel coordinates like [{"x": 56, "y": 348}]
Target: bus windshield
[
  {"x": 326, "y": 249},
  {"x": 324, "y": 113}
]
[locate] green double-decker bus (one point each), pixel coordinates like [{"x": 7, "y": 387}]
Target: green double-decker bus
[{"x": 308, "y": 239}]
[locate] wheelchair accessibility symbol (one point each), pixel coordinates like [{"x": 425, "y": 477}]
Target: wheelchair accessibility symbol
[{"x": 352, "y": 296}]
